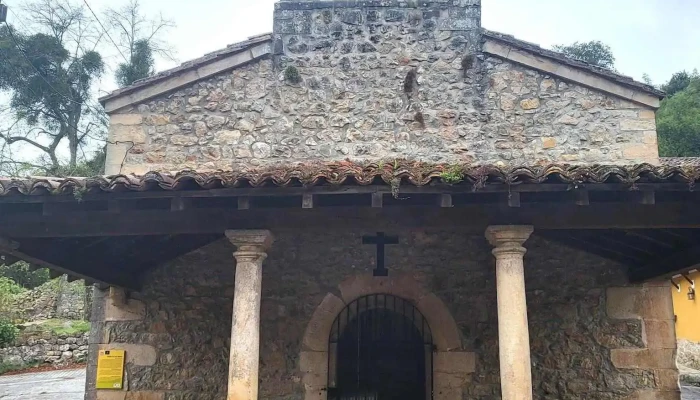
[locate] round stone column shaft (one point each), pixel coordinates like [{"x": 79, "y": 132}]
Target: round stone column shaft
[
  {"x": 244, "y": 359},
  {"x": 513, "y": 333}
]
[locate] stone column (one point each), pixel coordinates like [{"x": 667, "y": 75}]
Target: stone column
[
  {"x": 245, "y": 328},
  {"x": 513, "y": 333}
]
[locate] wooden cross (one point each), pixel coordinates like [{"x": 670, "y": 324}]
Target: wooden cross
[{"x": 380, "y": 241}]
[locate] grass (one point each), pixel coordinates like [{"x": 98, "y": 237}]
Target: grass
[
  {"x": 452, "y": 175},
  {"x": 58, "y": 327}
]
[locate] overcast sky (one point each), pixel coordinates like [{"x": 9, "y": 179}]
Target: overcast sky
[{"x": 658, "y": 37}]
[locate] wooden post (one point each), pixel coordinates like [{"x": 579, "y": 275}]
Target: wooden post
[{"x": 245, "y": 330}]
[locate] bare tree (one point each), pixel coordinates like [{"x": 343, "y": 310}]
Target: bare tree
[{"x": 140, "y": 38}]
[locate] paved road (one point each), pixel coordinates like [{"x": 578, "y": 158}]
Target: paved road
[
  {"x": 68, "y": 385},
  {"x": 691, "y": 393},
  {"x": 53, "y": 385}
]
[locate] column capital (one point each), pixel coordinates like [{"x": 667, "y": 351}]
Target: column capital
[
  {"x": 250, "y": 245},
  {"x": 250, "y": 240},
  {"x": 508, "y": 238}
]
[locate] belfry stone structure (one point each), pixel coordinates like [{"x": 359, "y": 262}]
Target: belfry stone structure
[{"x": 537, "y": 226}]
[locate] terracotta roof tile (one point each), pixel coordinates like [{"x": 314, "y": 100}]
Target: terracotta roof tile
[{"x": 685, "y": 171}]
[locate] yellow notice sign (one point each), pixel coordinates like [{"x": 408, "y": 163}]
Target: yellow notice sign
[{"x": 110, "y": 369}]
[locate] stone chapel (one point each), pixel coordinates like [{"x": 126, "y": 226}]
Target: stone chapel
[{"x": 380, "y": 200}]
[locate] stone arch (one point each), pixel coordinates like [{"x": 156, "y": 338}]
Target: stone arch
[{"x": 452, "y": 366}]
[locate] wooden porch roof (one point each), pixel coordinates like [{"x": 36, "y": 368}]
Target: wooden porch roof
[{"x": 111, "y": 230}]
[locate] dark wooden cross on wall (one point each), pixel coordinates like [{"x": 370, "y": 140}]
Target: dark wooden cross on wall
[{"x": 380, "y": 241}]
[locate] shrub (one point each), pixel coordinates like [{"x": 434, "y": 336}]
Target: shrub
[
  {"x": 8, "y": 333},
  {"x": 24, "y": 276}
]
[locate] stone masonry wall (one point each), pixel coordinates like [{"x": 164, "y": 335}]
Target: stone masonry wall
[
  {"x": 379, "y": 80},
  {"x": 57, "y": 298},
  {"x": 63, "y": 349},
  {"x": 591, "y": 337}
]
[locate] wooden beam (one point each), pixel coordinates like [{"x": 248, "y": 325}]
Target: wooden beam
[
  {"x": 307, "y": 200},
  {"x": 50, "y": 208},
  {"x": 648, "y": 197},
  {"x": 582, "y": 198},
  {"x": 446, "y": 200},
  {"x": 680, "y": 262},
  {"x": 114, "y": 206},
  {"x": 8, "y": 260},
  {"x": 513, "y": 199},
  {"x": 180, "y": 204},
  {"x": 244, "y": 203},
  {"x": 477, "y": 217},
  {"x": 106, "y": 278},
  {"x": 340, "y": 190},
  {"x": 590, "y": 246},
  {"x": 377, "y": 200}
]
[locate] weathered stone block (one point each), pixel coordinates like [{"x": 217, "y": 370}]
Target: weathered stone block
[
  {"x": 319, "y": 328},
  {"x": 641, "y": 152},
  {"x": 647, "y": 114},
  {"x": 622, "y": 302},
  {"x": 549, "y": 143},
  {"x": 657, "y": 303},
  {"x": 314, "y": 367},
  {"x": 666, "y": 379},
  {"x": 638, "y": 125},
  {"x": 117, "y": 308},
  {"x": 655, "y": 395},
  {"x": 643, "y": 358},
  {"x": 460, "y": 363},
  {"x": 137, "y": 354},
  {"x": 127, "y": 133},
  {"x": 125, "y": 119},
  {"x": 110, "y": 395},
  {"x": 530, "y": 104},
  {"x": 660, "y": 334},
  {"x": 145, "y": 396},
  {"x": 447, "y": 337}
]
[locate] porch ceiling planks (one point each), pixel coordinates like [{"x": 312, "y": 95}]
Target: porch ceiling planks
[
  {"x": 649, "y": 253},
  {"x": 113, "y": 237},
  {"x": 114, "y": 261}
]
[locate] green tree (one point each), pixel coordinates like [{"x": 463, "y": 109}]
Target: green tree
[
  {"x": 679, "y": 82},
  {"x": 24, "y": 276},
  {"x": 139, "y": 39},
  {"x": 48, "y": 70},
  {"x": 593, "y": 52},
  {"x": 678, "y": 123},
  {"x": 8, "y": 290},
  {"x": 140, "y": 67}
]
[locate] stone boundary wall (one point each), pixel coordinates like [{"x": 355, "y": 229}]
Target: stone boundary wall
[
  {"x": 56, "y": 350},
  {"x": 55, "y": 299}
]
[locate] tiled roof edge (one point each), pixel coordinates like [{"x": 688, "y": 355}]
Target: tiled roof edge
[
  {"x": 188, "y": 65},
  {"x": 685, "y": 171},
  {"x": 559, "y": 57}
]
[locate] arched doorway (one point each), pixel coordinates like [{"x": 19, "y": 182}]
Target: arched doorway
[{"x": 380, "y": 348}]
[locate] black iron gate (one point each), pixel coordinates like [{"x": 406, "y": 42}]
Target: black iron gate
[{"x": 380, "y": 348}]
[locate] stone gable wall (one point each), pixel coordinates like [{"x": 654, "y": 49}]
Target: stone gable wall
[
  {"x": 176, "y": 331},
  {"x": 379, "y": 80}
]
